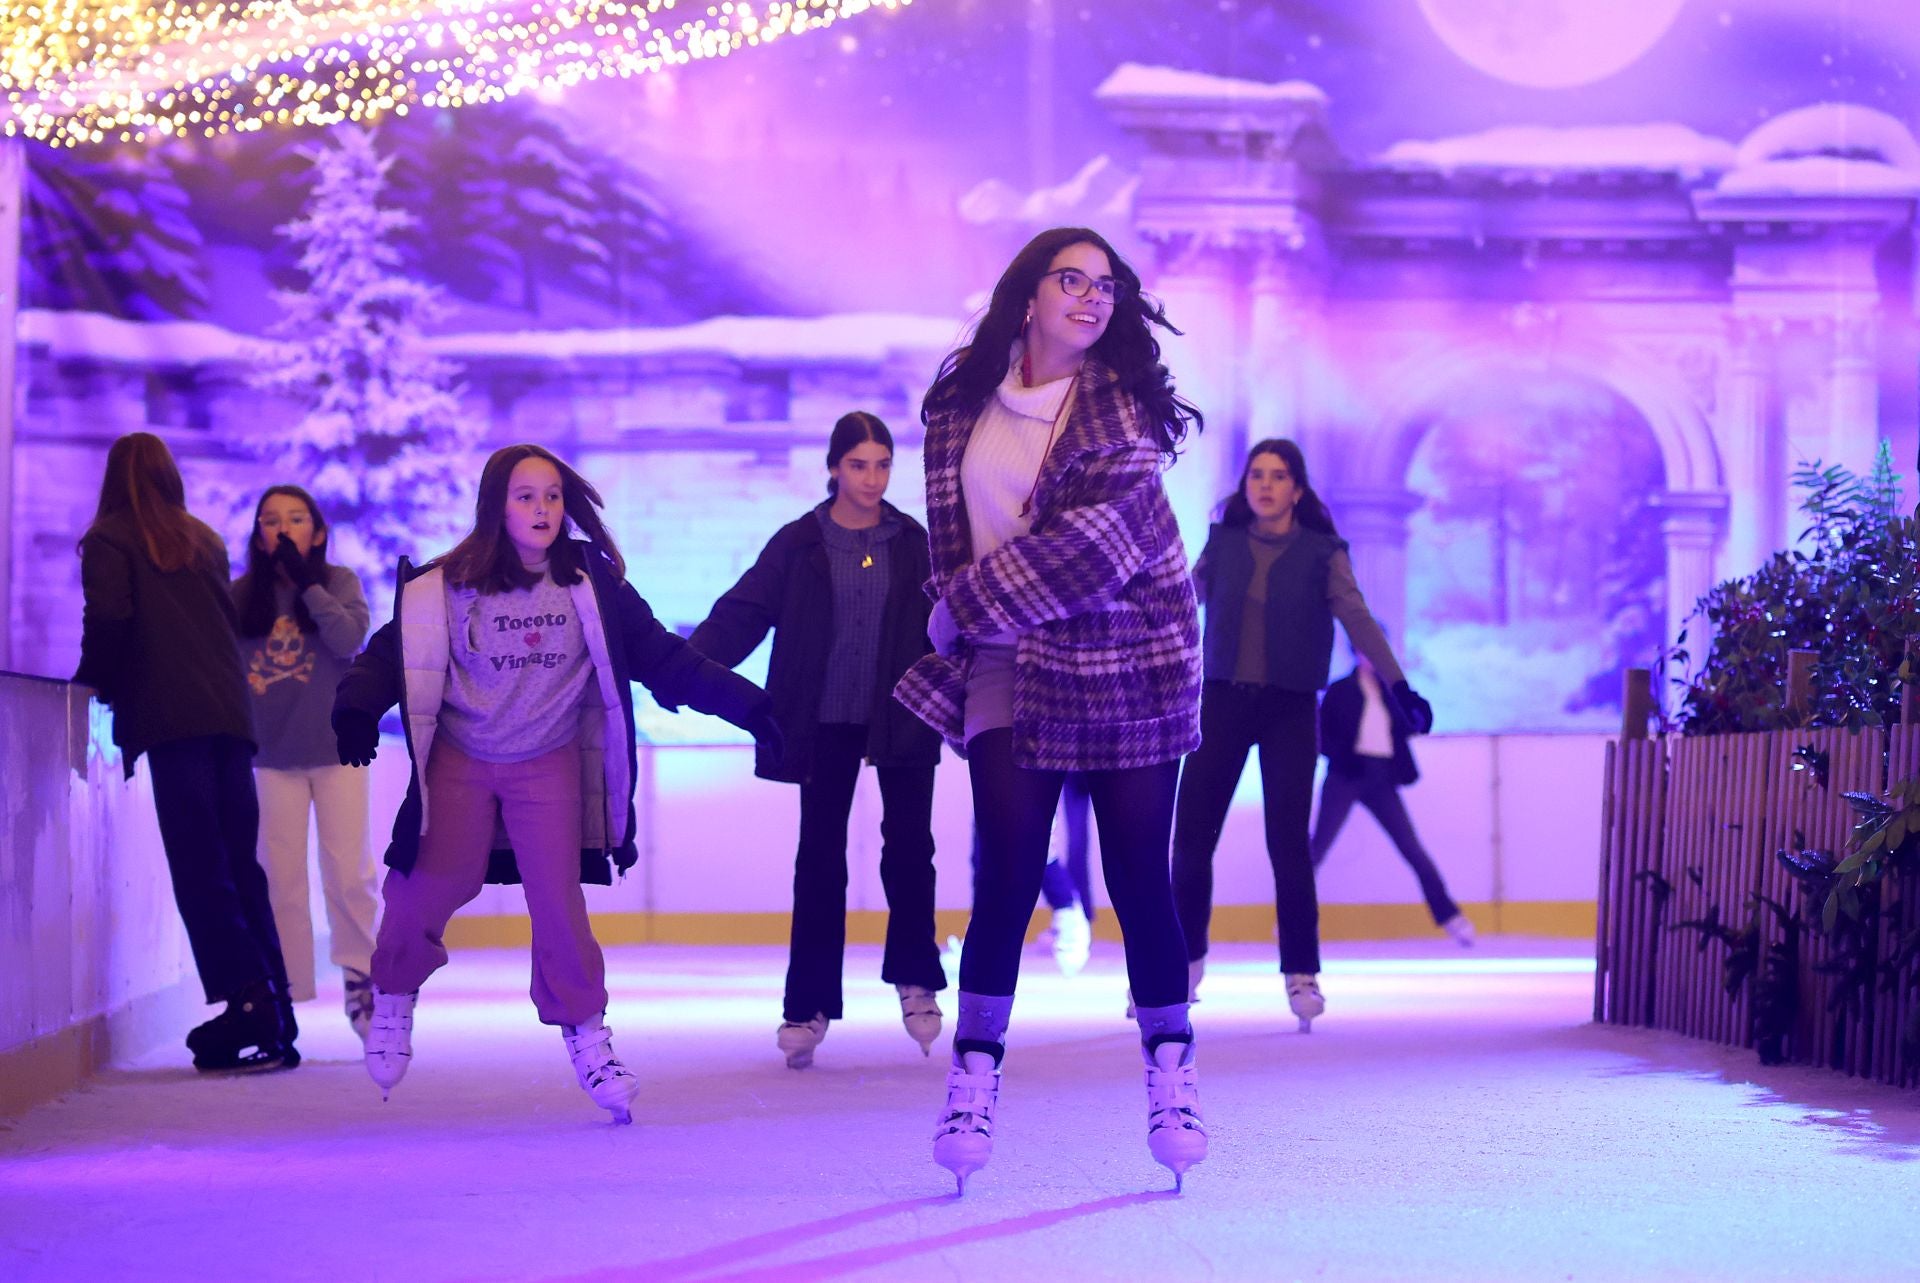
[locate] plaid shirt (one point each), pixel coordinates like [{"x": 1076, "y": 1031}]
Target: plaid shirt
[{"x": 1107, "y": 669}]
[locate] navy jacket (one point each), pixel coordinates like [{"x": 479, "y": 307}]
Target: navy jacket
[
  {"x": 789, "y": 589},
  {"x": 1340, "y": 728}
]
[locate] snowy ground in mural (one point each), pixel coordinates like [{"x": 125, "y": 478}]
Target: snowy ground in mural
[{"x": 1451, "y": 1117}]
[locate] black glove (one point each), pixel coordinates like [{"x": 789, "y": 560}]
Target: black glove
[
  {"x": 766, "y": 732},
  {"x": 356, "y": 735},
  {"x": 1417, "y": 711},
  {"x": 293, "y": 565}
]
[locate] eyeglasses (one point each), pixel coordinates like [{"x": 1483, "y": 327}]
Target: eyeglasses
[{"x": 1075, "y": 284}]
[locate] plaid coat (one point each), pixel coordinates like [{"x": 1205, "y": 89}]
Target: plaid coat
[{"x": 1107, "y": 668}]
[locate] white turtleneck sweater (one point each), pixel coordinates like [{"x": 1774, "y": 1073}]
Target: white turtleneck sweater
[{"x": 1004, "y": 455}]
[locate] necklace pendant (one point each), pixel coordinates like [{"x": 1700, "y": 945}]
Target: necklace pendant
[{"x": 866, "y": 562}]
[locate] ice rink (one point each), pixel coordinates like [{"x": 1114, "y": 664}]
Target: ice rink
[{"x": 1452, "y": 1116}]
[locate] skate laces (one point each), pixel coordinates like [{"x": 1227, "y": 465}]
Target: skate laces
[
  {"x": 970, "y": 1102},
  {"x": 592, "y": 1051},
  {"x": 916, "y": 1001},
  {"x": 1173, "y": 1094}
]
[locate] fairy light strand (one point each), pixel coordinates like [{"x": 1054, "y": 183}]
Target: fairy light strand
[{"x": 80, "y": 71}]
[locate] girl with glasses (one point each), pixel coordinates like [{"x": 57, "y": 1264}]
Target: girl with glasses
[{"x": 1067, "y": 641}]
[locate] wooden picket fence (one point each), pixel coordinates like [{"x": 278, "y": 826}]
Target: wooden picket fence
[{"x": 1691, "y": 828}]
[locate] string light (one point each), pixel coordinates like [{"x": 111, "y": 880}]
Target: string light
[{"x": 76, "y": 71}]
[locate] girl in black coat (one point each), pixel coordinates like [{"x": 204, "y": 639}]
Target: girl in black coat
[
  {"x": 840, "y": 588},
  {"x": 157, "y": 643}
]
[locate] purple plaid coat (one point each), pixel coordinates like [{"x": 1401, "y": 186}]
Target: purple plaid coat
[{"x": 1107, "y": 669}]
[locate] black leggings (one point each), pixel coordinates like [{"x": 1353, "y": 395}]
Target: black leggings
[
  {"x": 1014, "y": 807},
  {"x": 1234, "y": 718}
]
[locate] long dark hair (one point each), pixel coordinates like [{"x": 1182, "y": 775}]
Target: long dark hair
[
  {"x": 257, "y": 606},
  {"x": 969, "y": 374},
  {"x": 1310, "y": 512},
  {"x": 854, "y": 428},
  {"x": 142, "y": 480},
  {"x": 486, "y": 558}
]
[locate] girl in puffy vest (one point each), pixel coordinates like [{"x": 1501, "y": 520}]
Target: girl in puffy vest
[
  {"x": 1273, "y": 578},
  {"x": 511, "y": 658},
  {"x": 1067, "y": 640}
]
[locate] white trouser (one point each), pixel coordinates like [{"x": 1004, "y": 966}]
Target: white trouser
[{"x": 337, "y": 798}]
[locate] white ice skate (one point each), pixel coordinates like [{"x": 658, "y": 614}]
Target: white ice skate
[
  {"x": 1461, "y": 929},
  {"x": 389, "y": 1038},
  {"x": 798, "y": 1038},
  {"x": 963, "y": 1139},
  {"x": 1072, "y": 939},
  {"x": 919, "y": 1012},
  {"x": 611, "y": 1084},
  {"x": 1304, "y": 996},
  {"x": 1176, "y": 1137}
]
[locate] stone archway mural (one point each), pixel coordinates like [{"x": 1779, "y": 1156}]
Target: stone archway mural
[{"x": 1750, "y": 305}]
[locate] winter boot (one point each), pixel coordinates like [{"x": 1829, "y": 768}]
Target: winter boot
[
  {"x": 359, "y": 1000},
  {"x": 1176, "y": 1137},
  {"x": 1072, "y": 939},
  {"x": 250, "y": 1036},
  {"x": 919, "y": 1012},
  {"x": 797, "y": 1038},
  {"x": 963, "y": 1138},
  {"x": 611, "y": 1084},
  {"x": 390, "y": 1038},
  {"x": 1303, "y": 995}
]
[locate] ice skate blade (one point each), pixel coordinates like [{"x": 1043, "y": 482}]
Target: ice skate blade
[
  {"x": 622, "y": 1117},
  {"x": 1306, "y": 1024},
  {"x": 799, "y": 1060}
]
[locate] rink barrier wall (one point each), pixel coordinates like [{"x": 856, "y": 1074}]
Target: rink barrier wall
[
  {"x": 1690, "y": 835},
  {"x": 94, "y": 966}
]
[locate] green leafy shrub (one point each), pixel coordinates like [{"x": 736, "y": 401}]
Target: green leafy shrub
[{"x": 1847, "y": 593}]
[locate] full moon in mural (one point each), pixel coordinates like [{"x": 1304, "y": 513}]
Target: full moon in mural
[{"x": 1550, "y": 44}]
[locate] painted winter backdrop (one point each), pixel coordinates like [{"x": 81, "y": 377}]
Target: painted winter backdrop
[{"x": 681, "y": 280}]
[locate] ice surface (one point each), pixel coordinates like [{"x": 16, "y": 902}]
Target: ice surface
[{"x": 1452, "y": 1116}]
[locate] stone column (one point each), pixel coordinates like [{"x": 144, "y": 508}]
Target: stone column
[
  {"x": 1374, "y": 524},
  {"x": 1693, "y": 523},
  {"x": 1752, "y": 446},
  {"x": 1853, "y": 394}
]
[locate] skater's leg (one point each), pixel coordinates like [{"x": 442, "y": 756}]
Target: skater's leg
[
  {"x": 1076, "y": 819},
  {"x": 540, "y": 808},
  {"x": 1014, "y": 808},
  {"x": 1381, "y": 797},
  {"x": 1208, "y": 778},
  {"x": 818, "y": 941},
  {"x": 187, "y": 798},
  {"x": 347, "y": 876},
  {"x": 1289, "y": 747},
  {"x": 1337, "y": 795},
  {"x": 448, "y": 870},
  {"x": 1134, "y": 809},
  {"x": 912, "y": 954},
  {"x": 286, "y": 798}
]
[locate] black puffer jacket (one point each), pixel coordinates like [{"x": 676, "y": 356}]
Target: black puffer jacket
[
  {"x": 159, "y": 645},
  {"x": 789, "y": 589}
]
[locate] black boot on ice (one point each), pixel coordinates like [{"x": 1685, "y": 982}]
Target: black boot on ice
[{"x": 250, "y": 1036}]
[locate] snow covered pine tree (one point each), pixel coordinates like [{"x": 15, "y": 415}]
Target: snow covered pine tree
[{"x": 382, "y": 443}]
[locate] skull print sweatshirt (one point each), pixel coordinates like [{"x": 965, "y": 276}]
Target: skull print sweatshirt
[{"x": 292, "y": 675}]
